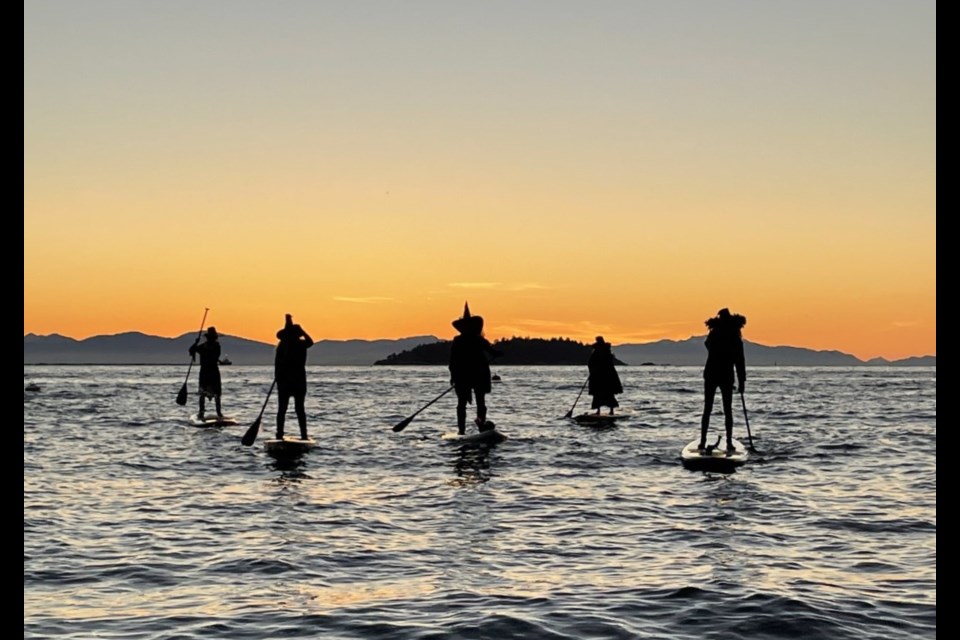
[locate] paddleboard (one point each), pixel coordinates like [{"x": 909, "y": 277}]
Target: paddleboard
[
  {"x": 489, "y": 436},
  {"x": 593, "y": 418},
  {"x": 211, "y": 420},
  {"x": 289, "y": 445},
  {"x": 713, "y": 459}
]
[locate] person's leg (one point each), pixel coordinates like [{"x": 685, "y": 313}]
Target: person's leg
[
  {"x": 203, "y": 402},
  {"x": 282, "y": 401},
  {"x": 463, "y": 398},
  {"x": 709, "y": 391},
  {"x": 726, "y": 393},
  {"x": 216, "y": 400},
  {"x": 298, "y": 404},
  {"x": 481, "y": 409}
]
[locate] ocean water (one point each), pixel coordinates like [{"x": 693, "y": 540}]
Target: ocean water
[{"x": 137, "y": 525}]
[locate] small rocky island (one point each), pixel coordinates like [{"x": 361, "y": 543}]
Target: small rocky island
[{"x": 516, "y": 351}]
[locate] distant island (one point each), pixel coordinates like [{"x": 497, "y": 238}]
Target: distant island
[
  {"x": 139, "y": 348},
  {"x": 516, "y": 351}
]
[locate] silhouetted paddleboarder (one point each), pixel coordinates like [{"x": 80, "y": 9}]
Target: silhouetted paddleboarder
[
  {"x": 604, "y": 380},
  {"x": 290, "y": 370},
  {"x": 470, "y": 368},
  {"x": 724, "y": 355},
  {"x": 209, "y": 352}
]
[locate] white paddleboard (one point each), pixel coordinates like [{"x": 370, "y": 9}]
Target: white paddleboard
[
  {"x": 713, "y": 459},
  {"x": 289, "y": 445},
  {"x": 490, "y": 436},
  {"x": 211, "y": 420}
]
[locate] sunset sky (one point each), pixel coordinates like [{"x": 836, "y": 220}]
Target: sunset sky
[{"x": 623, "y": 168}]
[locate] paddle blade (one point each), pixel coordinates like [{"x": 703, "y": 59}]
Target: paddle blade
[
  {"x": 182, "y": 396},
  {"x": 402, "y": 425},
  {"x": 251, "y": 433}
]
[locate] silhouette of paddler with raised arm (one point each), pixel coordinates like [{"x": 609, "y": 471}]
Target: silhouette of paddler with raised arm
[{"x": 724, "y": 356}]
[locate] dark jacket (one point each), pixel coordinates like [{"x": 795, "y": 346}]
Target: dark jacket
[
  {"x": 209, "y": 352},
  {"x": 469, "y": 364},
  {"x": 725, "y": 350},
  {"x": 290, "y": 360}
]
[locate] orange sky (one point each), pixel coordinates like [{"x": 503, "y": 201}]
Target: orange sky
[{"x": 626, "y": 172}]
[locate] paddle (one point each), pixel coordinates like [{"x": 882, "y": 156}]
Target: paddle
[
  {"x": 747, "y": 421},
  {"x": 254, "y": 429},
  {"x": 403, "y": 424},
  {"x": 570, "y": 413},
  {"x": 182, "y": 396}
]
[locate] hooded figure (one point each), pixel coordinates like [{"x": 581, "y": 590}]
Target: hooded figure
[
  {"x": 290, "y": 371},
  {"x": 209, "y": 352},
  {"x": 470, "y": 367},
  {"x": 604, "y": 379},
  {"x": 724, "y": 357}
]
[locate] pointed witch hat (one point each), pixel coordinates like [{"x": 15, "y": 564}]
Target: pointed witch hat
[{"x": 467, "y": 322}]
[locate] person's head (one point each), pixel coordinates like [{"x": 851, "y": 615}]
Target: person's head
[
  {"x": 211, "y": 334},
  {"x": 600, "y": 343},
  {"x": 290, "y": 330},
  {"x": 726, "y": 320}
]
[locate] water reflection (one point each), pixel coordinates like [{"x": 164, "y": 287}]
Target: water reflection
[
  {"x": 291, "y": 465},
  {"x": 471, "y": 463}
]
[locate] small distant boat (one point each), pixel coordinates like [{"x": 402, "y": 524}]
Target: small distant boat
[
  {"x": 226, "y": 360},
  {"x": 32, "y": 387},
  {"x": 495, "y": 378}
]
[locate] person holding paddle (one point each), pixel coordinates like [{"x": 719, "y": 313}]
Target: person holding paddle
[
  {"x": 209, "y": 352},
  {"x": 724, "y": 355},
  {"x": 604, "y": 380},
  {"x": 290, "y": 371},
  {"x": 470, "y": 368}
]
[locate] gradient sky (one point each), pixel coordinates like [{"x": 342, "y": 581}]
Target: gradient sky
[{"x": 623, "y": 168}]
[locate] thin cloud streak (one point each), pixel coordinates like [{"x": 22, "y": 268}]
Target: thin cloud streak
[
  {"x": 501, "y": 286},
  {"x": 367, "y": 300}
]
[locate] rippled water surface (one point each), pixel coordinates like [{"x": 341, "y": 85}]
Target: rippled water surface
[{"x": 137, "y": 525}]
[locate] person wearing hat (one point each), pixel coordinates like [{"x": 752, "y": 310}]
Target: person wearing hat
[
  {"x": 470, "y": 368},
  {"x": 290, "y": 370},
  {"x": 209, "y": 352},
  {"x": 604, "y": 380},
  {"x": 724, "y": 355}
]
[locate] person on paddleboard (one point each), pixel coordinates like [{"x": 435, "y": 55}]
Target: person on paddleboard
[
  {"x": 604, "y": 380},
  {"x": 470, "y": 368},
  {"x": 290, "y": 370},
  {"x": 209, "y": 352},
  {"x": 724, "y": 356}
]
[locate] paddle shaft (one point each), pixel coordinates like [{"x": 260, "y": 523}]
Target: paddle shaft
[
  {"x": 254, "y": 429},
  {"x": 746, "y": 421},
  {"x": 570, "y": 413},
  {"x": 182, "y": 396}
]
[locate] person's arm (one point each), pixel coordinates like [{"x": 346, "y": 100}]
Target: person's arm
[
  {"x": 741, "y": 366},
  {"x": 454, "y": 365},
  {"x": 307, "y": 340},
  {"x": 493, "y": 351}
]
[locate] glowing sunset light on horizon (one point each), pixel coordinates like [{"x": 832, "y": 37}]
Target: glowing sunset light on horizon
[{"x": 572, "y": 169}]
